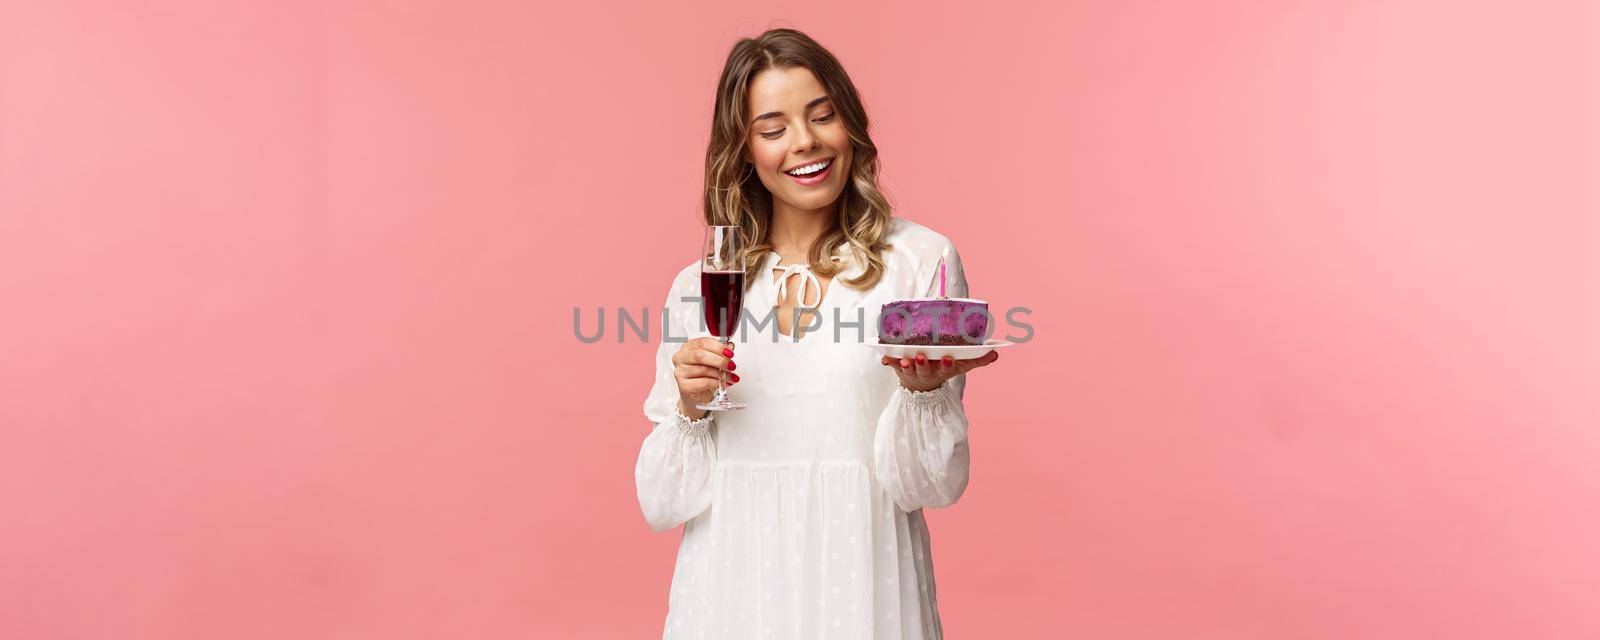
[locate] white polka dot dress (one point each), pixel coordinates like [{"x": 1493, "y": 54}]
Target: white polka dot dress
[{"x": 802, "y": 514}]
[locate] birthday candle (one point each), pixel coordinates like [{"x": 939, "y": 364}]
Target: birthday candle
[{"x": 942, "y": 259}]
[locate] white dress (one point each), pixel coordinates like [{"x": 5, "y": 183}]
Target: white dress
[{"x": 803, "y": 513}]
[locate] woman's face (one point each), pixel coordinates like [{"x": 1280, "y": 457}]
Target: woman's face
[{"x": 797, "y": 143}]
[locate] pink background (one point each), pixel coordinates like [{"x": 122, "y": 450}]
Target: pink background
[{"x": 288, "y": 289}]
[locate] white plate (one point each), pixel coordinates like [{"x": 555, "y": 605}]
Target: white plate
[{"x": 939, "y": 351}]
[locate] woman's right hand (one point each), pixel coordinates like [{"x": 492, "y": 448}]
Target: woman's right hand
[{"x": 697, "y": 367}]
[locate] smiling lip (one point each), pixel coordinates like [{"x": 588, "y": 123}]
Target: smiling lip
[{"x": 815, "y": 178}]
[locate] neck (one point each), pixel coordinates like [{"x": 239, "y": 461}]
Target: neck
[{"x": 795, "y": 230}]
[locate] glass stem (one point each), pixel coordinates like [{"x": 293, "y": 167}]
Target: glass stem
[{"x": 722, "y": 377}]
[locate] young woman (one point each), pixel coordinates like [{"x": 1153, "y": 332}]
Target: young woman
[{"x": 803, "y": 513}]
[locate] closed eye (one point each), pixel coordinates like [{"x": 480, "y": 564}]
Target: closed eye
[{"x": 775, "y": 134}]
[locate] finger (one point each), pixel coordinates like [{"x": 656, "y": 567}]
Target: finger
[
  {"x": 698, "y": 385},
  {"x": 946, "y": 362},
  {"x": 700, "y": 343},
  {"x": 686, "y": 353},
  {"x": 964, "y": 366},
  {"x": 724, "y": 350},
  {"x": 719, "y": 351},
  {"x": 709, "y": 358},
  {"x": 710, "y": 344},
  {"x": 905, "y": 363},
  {"x": 922, "y": 369},
  {"x": 691, "y": 371}
]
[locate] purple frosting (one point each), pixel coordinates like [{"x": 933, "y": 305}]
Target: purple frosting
[{"x": 962, "y": 321}]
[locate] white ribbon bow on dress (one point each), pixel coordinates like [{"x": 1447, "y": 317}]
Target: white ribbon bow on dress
[{"x": 808, "y": 278}]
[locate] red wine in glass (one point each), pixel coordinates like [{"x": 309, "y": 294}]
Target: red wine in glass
[
  {"x": 722, "y": 266},
  {"x": 723, "y": 292}
]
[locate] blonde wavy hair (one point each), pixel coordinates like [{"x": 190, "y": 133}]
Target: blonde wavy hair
[{"x": 734, "y": 194}]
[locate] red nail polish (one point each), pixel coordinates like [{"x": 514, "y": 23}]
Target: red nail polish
[
  {"x": 734, "y": 376},
  {"x": 732, "y": 366},
  {"x": 728, "y": 352}
]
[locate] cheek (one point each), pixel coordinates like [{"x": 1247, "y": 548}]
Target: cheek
[
  {"x": 838, "y": 139},
  {"x": 768, "y": 157}
]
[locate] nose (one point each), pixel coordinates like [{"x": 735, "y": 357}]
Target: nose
[{"x": 804, "y": 141}]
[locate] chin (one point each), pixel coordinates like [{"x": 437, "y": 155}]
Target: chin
[{"x": 813, "y": 202}]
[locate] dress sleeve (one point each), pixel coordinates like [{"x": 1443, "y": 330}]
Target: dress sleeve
[
  {"x": 920, "y": 452},
  {"x": 673, "y": 472}
]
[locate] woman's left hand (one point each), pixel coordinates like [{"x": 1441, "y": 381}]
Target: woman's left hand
[{"x": 922, "y": 374}]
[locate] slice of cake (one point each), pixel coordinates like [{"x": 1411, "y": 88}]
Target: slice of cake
[{"x": 934, "y": 321}]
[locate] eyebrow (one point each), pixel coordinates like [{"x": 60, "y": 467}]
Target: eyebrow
[{"x": 776, "y": 114}]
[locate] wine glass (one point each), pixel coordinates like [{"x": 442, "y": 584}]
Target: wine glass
[{"x": 722, "y": 266}]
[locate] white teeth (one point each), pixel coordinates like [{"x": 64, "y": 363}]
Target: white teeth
[{"x": 810, "y": 168}]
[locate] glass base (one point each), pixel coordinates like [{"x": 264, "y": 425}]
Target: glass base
[
  {"x": 720, "y": 402},
  {"x": 723, "y": 404}
]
